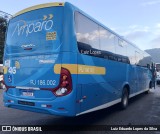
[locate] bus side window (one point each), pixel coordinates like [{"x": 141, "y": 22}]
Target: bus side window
[{"x": 87, "y": 34}]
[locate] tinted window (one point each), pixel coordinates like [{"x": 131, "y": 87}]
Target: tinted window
[
  {"x": 131, "y": 54},
  {"x": 144, "y": 59},
  {"x": 121, "y": 47},
  {"x": 36, "y": 30},
  {"x": 87, "y": 35},
  {"x": 106, "y": 40},
  {"x": 94, "y": 40},
  {"x": 139, "y": 57}
]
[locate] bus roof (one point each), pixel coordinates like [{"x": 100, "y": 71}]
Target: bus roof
[{"x": 38, "y": 7}]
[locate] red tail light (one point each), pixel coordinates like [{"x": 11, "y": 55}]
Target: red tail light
[
  {"x": 65, "y": 83},
  {"x": 3, "y": 79},
  {"x": 6, "y": 87}
]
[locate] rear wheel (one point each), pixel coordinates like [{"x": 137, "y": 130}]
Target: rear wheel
[
  {"x": 124, "y": 99},
  {"x": 147, "y": 92},
  {"x": 150, "y": 87}
]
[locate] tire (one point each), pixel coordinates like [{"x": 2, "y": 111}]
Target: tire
[
  {"x": 125, "y": 98},
  {"x": 150, "y": 85},
  {"x": 147, "y": 92}
]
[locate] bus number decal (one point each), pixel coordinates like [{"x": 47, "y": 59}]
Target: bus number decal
[
  {"x": 43, "y": 82},
  {"x": 12, "y": 70}
]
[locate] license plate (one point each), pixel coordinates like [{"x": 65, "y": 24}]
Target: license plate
[
  {"x": 27, "y": 93},
  {"x": 26, "y": 103}
]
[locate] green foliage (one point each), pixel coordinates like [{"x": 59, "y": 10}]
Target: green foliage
[{"x": 3, "y": 26}]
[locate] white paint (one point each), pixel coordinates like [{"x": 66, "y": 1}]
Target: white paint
[
  {"x": 101, "y": 106},
  {"x": 134, "y": 94},
  {"x": 27, "y": 45},
  {"x": 28, "y": 88},
  {"x": 43, "y": 82},
  {"x": 12, "y": 70},
  {"x": 46, "y": 61},
  {"x": 22, "y": 28}
]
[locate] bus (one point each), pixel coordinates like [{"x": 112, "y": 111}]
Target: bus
[
  {"x": 157, "y": 66},
  {"x": 58, "y": 60}
]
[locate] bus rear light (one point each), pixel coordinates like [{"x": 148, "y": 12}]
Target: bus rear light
[
  {"x": 10, "y": 101},
  {"x": 61, "y": 91},
  {"x": 3, "y": 79},
  {"x": 5, "y": 87},
  {"x": 65, "y": 83}
]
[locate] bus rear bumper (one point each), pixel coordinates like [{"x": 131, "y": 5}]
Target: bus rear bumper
[{"x": 54, "y": 107}]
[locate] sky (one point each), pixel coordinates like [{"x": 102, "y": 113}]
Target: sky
[{"x": 136, "y": 20}]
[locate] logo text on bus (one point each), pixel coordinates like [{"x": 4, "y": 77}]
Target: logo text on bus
[{"x": 24, "y": 28}]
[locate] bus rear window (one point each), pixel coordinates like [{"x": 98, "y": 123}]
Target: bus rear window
[{"x": 37, "y": 31}]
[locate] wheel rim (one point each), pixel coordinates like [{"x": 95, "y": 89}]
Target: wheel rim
[{"x": 125, "y": 100}]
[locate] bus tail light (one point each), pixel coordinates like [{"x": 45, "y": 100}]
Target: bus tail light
[
  {"x": 65, "y": 83},
  {"x": 5, "y": 86}
]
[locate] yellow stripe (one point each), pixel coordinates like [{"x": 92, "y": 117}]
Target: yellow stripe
[
  {"x": 5, "y": 70},
  {"x": 80, "y": 69},
  {"x": 38, "y": 7}
]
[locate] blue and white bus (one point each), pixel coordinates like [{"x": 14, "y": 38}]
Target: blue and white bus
[
  {"x": 59, "y": 60},
  {"x": 157, "y": 67}
]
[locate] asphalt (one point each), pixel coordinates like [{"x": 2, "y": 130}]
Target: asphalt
[{"x": 143, "y": 109}]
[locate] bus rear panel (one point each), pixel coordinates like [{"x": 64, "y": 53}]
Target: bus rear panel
[{"x": 34, "y": 76}]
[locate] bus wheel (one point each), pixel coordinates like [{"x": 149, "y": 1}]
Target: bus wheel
[
  {"x": 124, "y": 99},
  {"x": 147, "y": 92}
]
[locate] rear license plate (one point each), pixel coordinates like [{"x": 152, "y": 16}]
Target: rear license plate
[
  {"x": 27, "y": 94},
  {"x": 26, "y": 103}
]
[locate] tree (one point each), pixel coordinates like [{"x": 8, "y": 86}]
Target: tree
[{"x": 3, "y": 26}]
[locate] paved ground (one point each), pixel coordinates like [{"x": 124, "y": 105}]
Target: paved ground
[{"x": 142, "y": 110}]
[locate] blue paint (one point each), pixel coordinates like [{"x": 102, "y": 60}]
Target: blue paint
[{"x": 37, "y": 67}]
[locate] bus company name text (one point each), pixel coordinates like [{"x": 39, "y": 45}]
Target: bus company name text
[
  {"x": 23, "y": 28},
  {"x": 90, "y": 52}
]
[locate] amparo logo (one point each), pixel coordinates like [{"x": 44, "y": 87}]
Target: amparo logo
[{"x": 26, "y": 28}]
